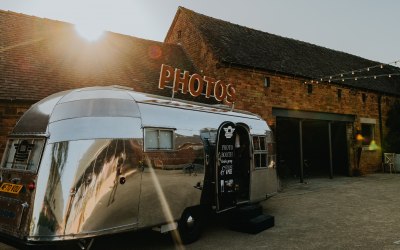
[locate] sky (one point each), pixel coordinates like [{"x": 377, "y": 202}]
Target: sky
[{"x": 366, "y": 28}]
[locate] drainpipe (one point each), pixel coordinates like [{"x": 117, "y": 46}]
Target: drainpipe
[{"x": 380, "y": 123}]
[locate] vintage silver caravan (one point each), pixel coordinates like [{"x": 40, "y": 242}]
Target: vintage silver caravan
[{"x": 100, "y": 160}]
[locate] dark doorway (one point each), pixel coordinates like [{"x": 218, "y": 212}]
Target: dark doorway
[
  {"x": 242, "y": 163},
  {"x": 315, "y": 147},
  {"x": 288, "y": 147},
  {"x": 339, "y": 149}
]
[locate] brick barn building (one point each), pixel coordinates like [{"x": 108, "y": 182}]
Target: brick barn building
[{"x": 315, "y": 124}]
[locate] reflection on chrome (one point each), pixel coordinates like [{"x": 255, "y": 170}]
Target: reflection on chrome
[{"x": 103, "y": 190}]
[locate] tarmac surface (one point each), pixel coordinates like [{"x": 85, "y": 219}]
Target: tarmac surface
[{"x": 339, "y": 213}]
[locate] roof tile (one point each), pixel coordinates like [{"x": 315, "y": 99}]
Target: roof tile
[{"x": 238, "y": 45}]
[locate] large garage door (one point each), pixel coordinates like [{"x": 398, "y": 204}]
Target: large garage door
[{"x": 311, "y": 144}]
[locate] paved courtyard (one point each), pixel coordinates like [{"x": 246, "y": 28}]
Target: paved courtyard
[{"x": 342, "y": 213}]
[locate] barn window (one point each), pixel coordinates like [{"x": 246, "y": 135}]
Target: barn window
[
  {"x": 309, "y": 88},
  {"x": 364, "y": 97},
  {"x": 260, "y": 151},
  {"x": 367, "y": 131},
  {"x": 267, "y": 82},
  {"x": 158, "y": 139}
]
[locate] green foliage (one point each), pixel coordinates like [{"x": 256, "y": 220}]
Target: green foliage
[{"x": 392, "y": 139}]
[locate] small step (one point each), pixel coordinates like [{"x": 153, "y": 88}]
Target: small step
[
  {"x": 254, "y": 225},
  {"x": 247, "y": 212}
]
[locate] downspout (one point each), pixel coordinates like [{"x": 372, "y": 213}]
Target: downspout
[{"x": 380, "y": 123}]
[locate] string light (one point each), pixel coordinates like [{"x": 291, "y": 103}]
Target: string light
[
  {"x": 364, "y": 77},
  {"x": 352, "y": 72}
]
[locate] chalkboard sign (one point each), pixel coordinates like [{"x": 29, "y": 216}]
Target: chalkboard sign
[{"x": 226, "y": 197}]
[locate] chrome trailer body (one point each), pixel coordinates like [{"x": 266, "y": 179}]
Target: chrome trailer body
[{"x": 101, "y": 160}]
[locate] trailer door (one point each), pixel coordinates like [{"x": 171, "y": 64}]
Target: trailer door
[{"x": 225, "y": 154}]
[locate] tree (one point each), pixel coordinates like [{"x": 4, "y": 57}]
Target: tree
[{"x": 392, "y": 139}]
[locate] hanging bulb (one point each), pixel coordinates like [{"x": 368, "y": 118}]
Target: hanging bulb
[
  {"x": 367, "y": 69},
  {"x": 390, "y": 75},
  {"x": 329, "y": 80},
  {"x": 352, "y": 72},
  {"x": 342, "y": 80},
  {"x": 355, "y": 78},
  {"x": 341, "y": 75},
  {"x": 330, "y": 77},
  {"x": 381, "y": 66},
  {"x": 374, "y": 77}
]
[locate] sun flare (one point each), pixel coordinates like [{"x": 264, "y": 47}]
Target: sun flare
[{"x": 89, "y": 31}]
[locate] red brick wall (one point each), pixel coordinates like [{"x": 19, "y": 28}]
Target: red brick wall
[
  {"x": 284, "y": 91},
  {"x": 10, "y": 112},
  {"x": 184, "y": 32}
]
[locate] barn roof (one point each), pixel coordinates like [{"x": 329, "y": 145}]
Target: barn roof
[{"x": 245, "y": 47}]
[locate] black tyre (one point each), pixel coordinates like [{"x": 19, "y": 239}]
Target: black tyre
[{"x": 190, "y": 225}]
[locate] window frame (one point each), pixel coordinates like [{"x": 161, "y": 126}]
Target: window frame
[
  {"x": 28, "y": 162},
  {"x": 158, "y": 130},
  {"x": 267, "y": 82},
  {"x": 339, "y": 94},
  {"x": 259, "y": 151},
  {"x": 371, "y": 136},
  {"x": 367, "y": 122}
]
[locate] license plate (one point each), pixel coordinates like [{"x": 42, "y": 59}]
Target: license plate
[{"x": 10, "y": 188}]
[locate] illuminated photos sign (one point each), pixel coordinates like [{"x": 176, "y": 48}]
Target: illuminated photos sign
[{"x": 195, "y": 84}]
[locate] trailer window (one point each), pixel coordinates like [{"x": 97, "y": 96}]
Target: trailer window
[
  {"x": 260, "y": 151},
  {"x": 23, "y": 154},
  {"x": 158, "y": 139}
]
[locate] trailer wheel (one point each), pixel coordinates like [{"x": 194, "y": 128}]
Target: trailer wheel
[{"x": 190, "y": 225}]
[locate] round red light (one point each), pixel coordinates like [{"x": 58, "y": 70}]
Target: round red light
[{"x": 31, "y": 186}]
